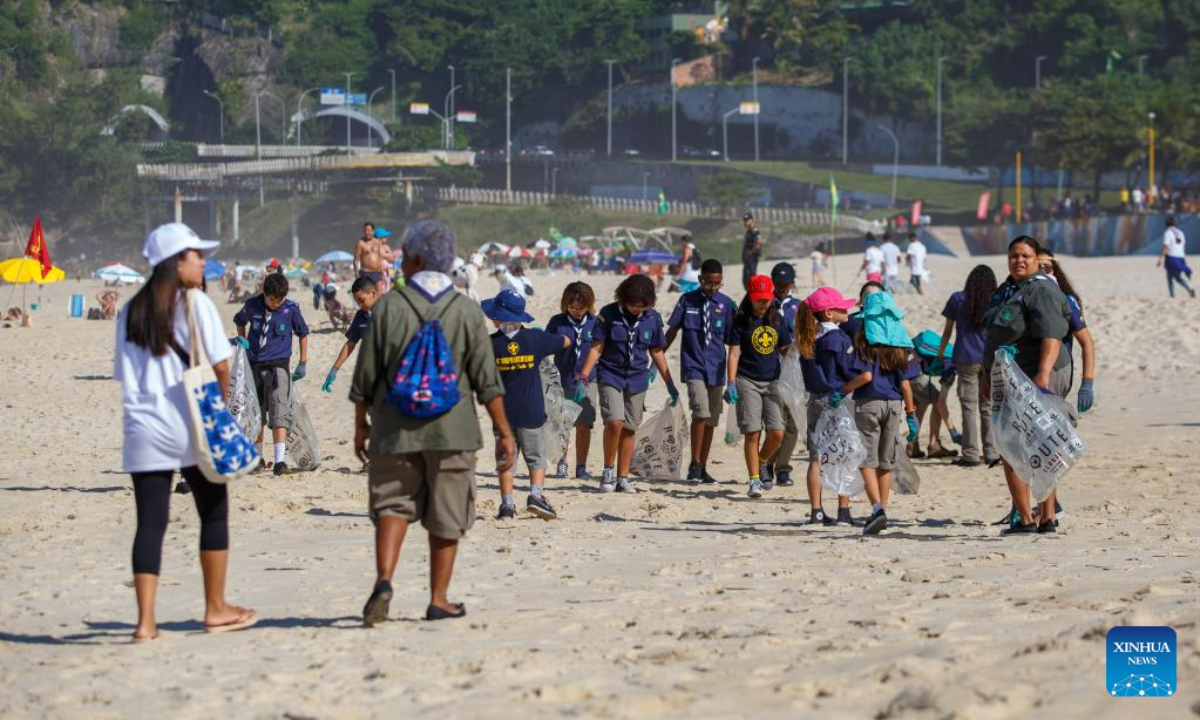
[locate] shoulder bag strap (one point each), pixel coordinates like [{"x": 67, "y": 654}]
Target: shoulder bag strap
[{"x": 198, "y": 356}]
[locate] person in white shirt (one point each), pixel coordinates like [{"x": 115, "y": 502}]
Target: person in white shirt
[
  {"x": 916, "y": 253},
  {"x": 152, "y": 348},
  {"x": 688, "y": 278},
  {"x": 1174, "y": 256},
  {"x": 872, "y": 260},
  {"x": 514, "y": 279},
  {"x": 891, "y": 262},
  {"x": 818, "y": 257}
]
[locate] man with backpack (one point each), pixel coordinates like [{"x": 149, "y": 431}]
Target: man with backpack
[{"x": 423, "y": 357}]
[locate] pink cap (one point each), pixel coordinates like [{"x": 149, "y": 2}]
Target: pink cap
[{"x": 828, "y": 298}]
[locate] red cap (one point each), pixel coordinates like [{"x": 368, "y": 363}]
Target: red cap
[{"x": 761, "y": 288}]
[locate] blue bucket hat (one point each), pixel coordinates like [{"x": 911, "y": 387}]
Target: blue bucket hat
[
  {"x": 506, "y": 307},
  {"x": 881, "y": 321},
  {"x": 382, "y": 233}
]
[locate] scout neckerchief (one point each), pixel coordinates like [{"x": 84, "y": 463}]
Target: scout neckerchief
[
  {"x": 268, "y": 314},
  {"x": 578, "y": 332},
  {"x": 707, "y": 314},
  {"x": 632, "y": 331}
]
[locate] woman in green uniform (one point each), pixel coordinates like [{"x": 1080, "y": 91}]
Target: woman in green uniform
[{"x": 1030, "y": 313}]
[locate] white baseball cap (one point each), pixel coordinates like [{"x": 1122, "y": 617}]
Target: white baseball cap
[{"x": 171, "y": 239}]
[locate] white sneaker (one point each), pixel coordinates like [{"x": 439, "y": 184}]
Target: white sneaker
[
  {"x": 608, "y": 482},
  {"x": 623, "y": 485},
  {"x": 756, "y": 488}
]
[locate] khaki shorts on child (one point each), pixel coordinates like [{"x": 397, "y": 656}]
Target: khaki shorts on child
[
  {"x": 531, "y": 443},
  {"x": 705, "y": 402},
  {"x": 435, "y": 487},
  {"x": 879, "y": 422},
  {"x": 621, "y": 406},
  {"x": 273, "y": 383},
  {"x": 759, "y": 406}
]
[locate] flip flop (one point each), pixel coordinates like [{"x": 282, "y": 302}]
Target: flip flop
[
  {"x": 433, "y": 612},
  {"x": 245, "y": 620}
]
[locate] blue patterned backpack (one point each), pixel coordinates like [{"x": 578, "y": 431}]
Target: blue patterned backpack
[{"x": 426, "y": 383}]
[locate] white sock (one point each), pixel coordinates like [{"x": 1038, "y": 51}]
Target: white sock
[{"x": 280, "y": 449}]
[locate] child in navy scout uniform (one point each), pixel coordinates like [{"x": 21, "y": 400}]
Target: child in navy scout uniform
[
  {"x": 577, "y": 321},
  {"x": 273, "y": 320},
  {"x": 883, "y": 406},
  {"x": 628, "y": 339},
  {"x": 706, "y": 318},
  {"x": 366, "y": 293},
  {"x": 759, "y": 332},
  {"x": 519, "y": 351},
  {"x": 830, "y": 369},
  {"x": 783, "y": 279}
]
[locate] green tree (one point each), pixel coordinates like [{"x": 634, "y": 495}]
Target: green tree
[{"x": 727, "y": 190}]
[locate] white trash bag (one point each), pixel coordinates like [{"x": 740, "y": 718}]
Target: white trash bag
[
  {"x": 561, "y": 413},
  {"x": 840, "y": 450},
  {"x": 791, "y": 390},
  {"x": 1033, "y": 429},
  {"x": 243, "y": 398},
  {"x": 658, "y": 444},
  {"x": 733, "y": 434},
  {"x": 303, "y": 452}
]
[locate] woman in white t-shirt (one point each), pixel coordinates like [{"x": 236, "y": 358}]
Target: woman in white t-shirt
[
  {"x": 688, "y": 278},
  {"x": 151, "y": 354},
  {"x": 1174, "y": 254}
]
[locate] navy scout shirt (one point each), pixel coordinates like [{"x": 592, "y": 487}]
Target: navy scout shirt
[
  {"x": 625, "y": 362},
  {"x": 570, "y": 361},
  {"x": 707, "y": 324},
  {"x": 834, "y": 363},
  {"x": 358, "y": 326},
  {"x": 271, "y": 332},
  {"x": 517, "y": 359},
  {"x": 760, "y": 345},
  {"x": 885, "y": 384}
]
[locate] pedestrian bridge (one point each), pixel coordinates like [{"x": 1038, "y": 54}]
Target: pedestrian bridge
[{"x": 216, "y": 172}]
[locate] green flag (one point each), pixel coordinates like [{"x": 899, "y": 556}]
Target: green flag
[
  {"x": 1108, "y": 63},
  {"x": 663, "y": 206},
  {"x": 834, "y": 200}
]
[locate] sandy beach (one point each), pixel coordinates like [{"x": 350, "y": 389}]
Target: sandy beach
[{"x": 681, "y": 601}]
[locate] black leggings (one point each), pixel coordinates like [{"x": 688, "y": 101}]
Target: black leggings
[{"x": 152, "y": 491}]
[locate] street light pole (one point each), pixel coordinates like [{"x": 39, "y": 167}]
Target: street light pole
[
  {"x": 1152, "y": 186},
  {"x": 1142, "y": 65},
  {"x": 299, "y": 110},
  {"x": 448, "y": 109},
  {"x": 754, "y": 80},
  {"x": 645, "y": 188},
  {"x": 845, "y": 110},
  {"x": 508, "y": 129},
  {"x": 216, "y": 97},
  {"x": 1037, "y": 72},
  {"x": 895, "y": 161},
  {"x": 393, "y": 74},
  {"x": 554, "y": 180},
  {"x": 725, "y": 131},
  {"x": 347, "y": 106},
  {"x": 674, "y": 153},
  {"x": 940, "y": 60},
  {"x": 370, "y": 102},
  {"x": 610, "y": 73}
]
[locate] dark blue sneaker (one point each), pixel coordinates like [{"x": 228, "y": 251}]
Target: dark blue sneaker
[
  {"x": 784, "y": 479},
  {"x": 507, "y": 512},
  {"x": 878, "y": 523},
  {"x": 540, "y": 506}
]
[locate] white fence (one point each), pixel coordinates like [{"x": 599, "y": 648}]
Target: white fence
[
  {"x": 483, "y": 196},
  {"x": 278, "y": 151}
]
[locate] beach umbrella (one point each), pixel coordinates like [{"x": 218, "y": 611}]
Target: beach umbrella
[
  {"x": 382, "y": 233},
  {"x": 294, "y": 273},
  {"x": 567, "y": 242},
  {"x": 542, "y": 245},
  {"x": 519, "y": 252},
  {"x": 564, "y": 253},
  {"x": 493, "y": 247},
  {"x": 21, "y": 271},
  {"x": 213, "y": 270},
  {"x": 336, "y": 256},
  {"x": 653, "y": 256},
  {"x": 119, "y": 273}
]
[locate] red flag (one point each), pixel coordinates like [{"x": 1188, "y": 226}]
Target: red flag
[
  {"x": 916, "y": 213},
  {"x": 37, "y": 248},
  {"x": 985, "y": 201}
]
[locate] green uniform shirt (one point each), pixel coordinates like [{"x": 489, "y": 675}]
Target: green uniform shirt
[
  {"x": 1022, "y": 315},
  {"x": 393, "y": 325}
]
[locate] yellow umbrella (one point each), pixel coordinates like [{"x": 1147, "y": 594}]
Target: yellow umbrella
[{"x": 25, "y": 270}]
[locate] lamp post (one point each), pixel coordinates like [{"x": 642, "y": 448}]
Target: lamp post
[
  {"x": 508, "y": 130},
  {"x": 299, "y": 110},
  {"x": 940, "y": 60},
  {"x": 554, "y": 180},
  {"x": 895, "y": 161},
  {"x": 645, "y": 186},
  {"x": 347, "y": 106},
  {"x": 393, "y": 74},
  {"x": 725, "y": 132},
  {"x": 754, "y": 80},
  {"x": 1037, "y": 72},
  {"x": 448, "y": 118},
  {"x": 845, "y": 110},
  {"x": 370, "y": 102},
  {"x": 1142, "y": 65},
  {"x": 221, "y": 104},
  {"x": 610, "y": 90},
  {"x": 674, "y": 154},
  {"x": 1152, "y": 186}
]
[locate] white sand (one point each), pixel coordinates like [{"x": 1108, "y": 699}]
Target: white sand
[{"x": 681, "y": 601}]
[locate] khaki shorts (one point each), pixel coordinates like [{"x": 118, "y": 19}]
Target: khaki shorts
[
  {"x": 705, "y": 402},
  {"x": 531, "y": 442},
  {"x": 879, "y": 422},
  {"x": 759, "y": 406},
  {"x": 621, "y": 406},
  {"x": 274, "y": 387},
  {"x": 435, "y": 487},
  {"x": 816, "y": 405}
]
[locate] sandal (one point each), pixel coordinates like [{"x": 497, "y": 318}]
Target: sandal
[
  {"x": 247, "y": 619},
  {"x": 941, "y": 453},
  {"x": 433, "y": 612}
]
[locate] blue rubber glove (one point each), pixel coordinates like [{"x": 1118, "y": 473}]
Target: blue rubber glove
[
  {"x": 300, "y": 372},
  {"x": 731, "y": 394},
  {"x": 653, "y": 375},
  {"x": 1087, "y": 396},
  {"x": 835, "y": 400},
  {"x": 914, "y": 427},
  {"x": 327, "y": 386},
  {"x": 673, "y": 392},
  {"x": 239, "y": 340},
  {"x": 581, "y": 388}
]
